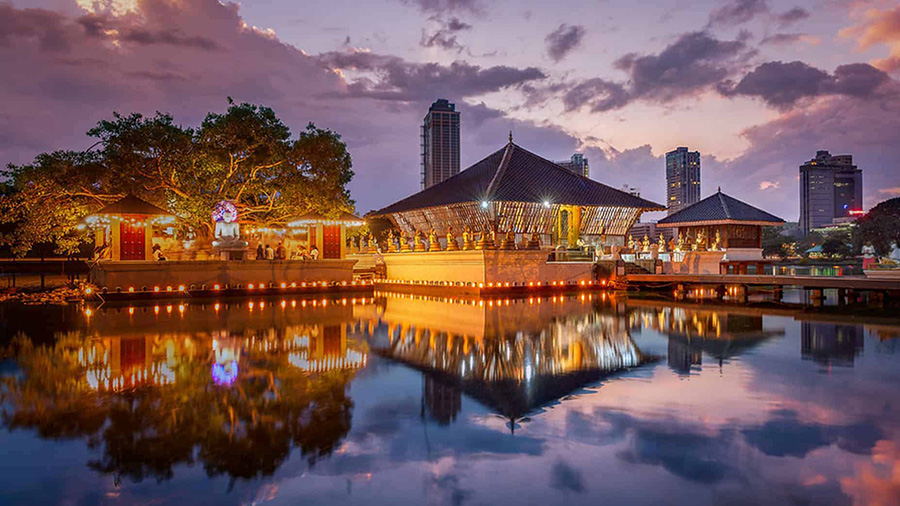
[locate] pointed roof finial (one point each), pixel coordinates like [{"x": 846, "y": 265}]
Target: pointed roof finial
[
  {"x": 510, "y": 136},
  {"x": 720, "y": 189}
]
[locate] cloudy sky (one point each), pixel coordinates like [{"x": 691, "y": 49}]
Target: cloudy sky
[{"x": 756, "y": 86}]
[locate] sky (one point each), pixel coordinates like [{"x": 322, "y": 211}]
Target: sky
[{"x": 756, "y": 86}]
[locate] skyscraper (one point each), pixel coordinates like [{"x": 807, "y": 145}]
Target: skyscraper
[
  {"x": 830, "y": 187},
  {"x": 682, "y": 179},
  {"x": 440, "y": 143},
  {"x": 577, "y": 164}
]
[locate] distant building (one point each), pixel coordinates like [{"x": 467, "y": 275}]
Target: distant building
[
  {"x": 578, "y": 164},
  {"x": 682, "y": 179},
  {"x": 440, "y": 143},
  {"x": 631, "y": 190},
  {"x": 830, "y": 187}
]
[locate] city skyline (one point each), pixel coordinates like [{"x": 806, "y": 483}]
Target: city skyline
[{"x": 755, "y": 86}]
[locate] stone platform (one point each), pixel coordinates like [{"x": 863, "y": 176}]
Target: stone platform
[
  {"x": 126, "y": 275},
  {"x": 484, "y": 267}
]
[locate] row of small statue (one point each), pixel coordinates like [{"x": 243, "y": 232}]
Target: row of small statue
[
  {"x": 699, "y": 243},
  {"x": 470, "y": 241}
]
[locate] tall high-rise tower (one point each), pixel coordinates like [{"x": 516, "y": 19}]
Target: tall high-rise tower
[
  {"x": 682, "y": 179},
  {"x": 440, "y": 143},
  {"x": 830, "y": 187}
]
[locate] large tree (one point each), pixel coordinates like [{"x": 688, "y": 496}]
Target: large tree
[
  {"x": 245, "y": 155},
  {"x": 880, "y": 226}
]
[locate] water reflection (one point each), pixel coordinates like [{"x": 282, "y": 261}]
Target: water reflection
[
  {"x": 411, "y": 400},
  {"x": 512, "y": 358}
]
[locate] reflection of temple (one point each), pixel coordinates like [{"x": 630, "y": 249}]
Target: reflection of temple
[
  {"x": 156, "y": 339},
  {"x": 831, "y": 344},
  {"x": 512, "y": 357},
  {"x": 443, "y": 400},
  {"x": 693, "y": 332},
  {"x": 122, "y": 363}
]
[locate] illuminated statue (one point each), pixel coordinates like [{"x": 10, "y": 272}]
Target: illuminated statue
[
  {"x": 535, "y": 241},
  {"x": 645, "y": 244},
  {"x": 468, "y": 241},
  {"x": 701, "y": 243},
  {"x": 419, "y": 246},
  {"x": 391, "y": 246},
  {"x": 452, "y": 245},
  {"x": 680, "y": 245},
  {"x": 661, "y": 248},
  {"x": 631, "y": 244},
  {"x": 433, "y": 243},
  {"x": 228, "y": 231},
  {"x": 508, "y": 242},
  {"x": 404, "y": 242},
  {"x": 717, "y": 242}
]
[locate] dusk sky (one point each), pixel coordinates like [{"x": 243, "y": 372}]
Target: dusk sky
[{"x": 757, "y": 87}]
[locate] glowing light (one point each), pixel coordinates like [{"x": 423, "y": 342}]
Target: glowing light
[
  {"x": 547, "y": 204},
  {"x": 168, "y": 288},
  {"x": 216, "y": 287},
  {"x": 180, "y": 288},
  {"x": 484, "y": 204},
  {"x": 250, "y": 286},
  {"x": 284, "y": 285},
  {"x": 131, "y": 289},
  {"x": 225, "y": 374},
  {"x": 88, "y": 291}
]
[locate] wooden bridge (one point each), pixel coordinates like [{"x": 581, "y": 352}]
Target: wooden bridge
[{"x": 738, "y": 286}]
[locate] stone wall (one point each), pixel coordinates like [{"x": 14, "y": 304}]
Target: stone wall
[{"x": 162, "y": 274}]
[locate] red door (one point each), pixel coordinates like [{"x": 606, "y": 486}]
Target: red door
[
  {"x": 331, "y": 241},
  {"x": 132, "y": 242}
]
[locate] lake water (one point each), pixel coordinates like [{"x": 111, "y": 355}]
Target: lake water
[{"x": 398, "y": 400}]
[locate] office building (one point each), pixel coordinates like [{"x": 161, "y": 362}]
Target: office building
[
  {"x": 578, "y": 164},
  {"x": 830, "y": 188},
  {"x": 682, "y": 179},
  {"x": 440, "y": 143}
]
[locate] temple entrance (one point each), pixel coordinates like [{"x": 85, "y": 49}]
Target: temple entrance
[
  {"x": 131, "y": 241},
  {"x": 331, "y": 241}
]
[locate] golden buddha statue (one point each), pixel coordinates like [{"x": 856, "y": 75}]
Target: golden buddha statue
[
  {"x": 701, "y": 243},
  {"x": 645, "y": 244},
  {"x": 468, "y": 240},
  {"x": 404, "y": 243},
  {"x": 452, "y": 245},
  {"x": 661, "y": 248},
  {"x": 419, "y": 246},
  {"x": 433, "y": 243},
  {"x": 681, "y": 244},
  {"x": 717, "y": 242},
  {"x": 631, "y": 242}
]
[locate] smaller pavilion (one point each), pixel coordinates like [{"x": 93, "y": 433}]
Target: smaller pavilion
[
  {"x": 124, "y": 229},
  {"x": 328, "y": 235},
  {"x": 718, "y": 229}
]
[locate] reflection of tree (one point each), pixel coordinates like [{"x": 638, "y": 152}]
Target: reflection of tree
[{"x": 244, "y": 430}]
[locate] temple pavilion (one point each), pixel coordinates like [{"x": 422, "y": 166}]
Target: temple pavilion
[
  {"x": 514, "y": 191},
  {"x": 718, "y": 234},
  {"x": 737, "y": 224},
  {"x": 124, "y": 229}
]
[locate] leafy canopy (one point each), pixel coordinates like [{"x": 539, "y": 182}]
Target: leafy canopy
[
  {"x": 245, "y": 155},
  {"x": 880, "y": 226}
]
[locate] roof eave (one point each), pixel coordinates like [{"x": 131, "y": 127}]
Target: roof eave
[{"x": 717, "y": 222}]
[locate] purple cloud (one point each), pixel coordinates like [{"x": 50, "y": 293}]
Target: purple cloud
[
  {"x": 564, "y": 40},
  {"x": 445, "y": 36},
  {"x": 782, "y": 84},
  {"x": 738, "y": 12},
  {"x": 393, "y": 78}
]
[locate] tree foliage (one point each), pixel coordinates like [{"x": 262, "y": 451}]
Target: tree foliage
[
  {"x": 775, "y": 243},
  {"x": 245, "y": 155},
  {"x": 880, "y": 226}
]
